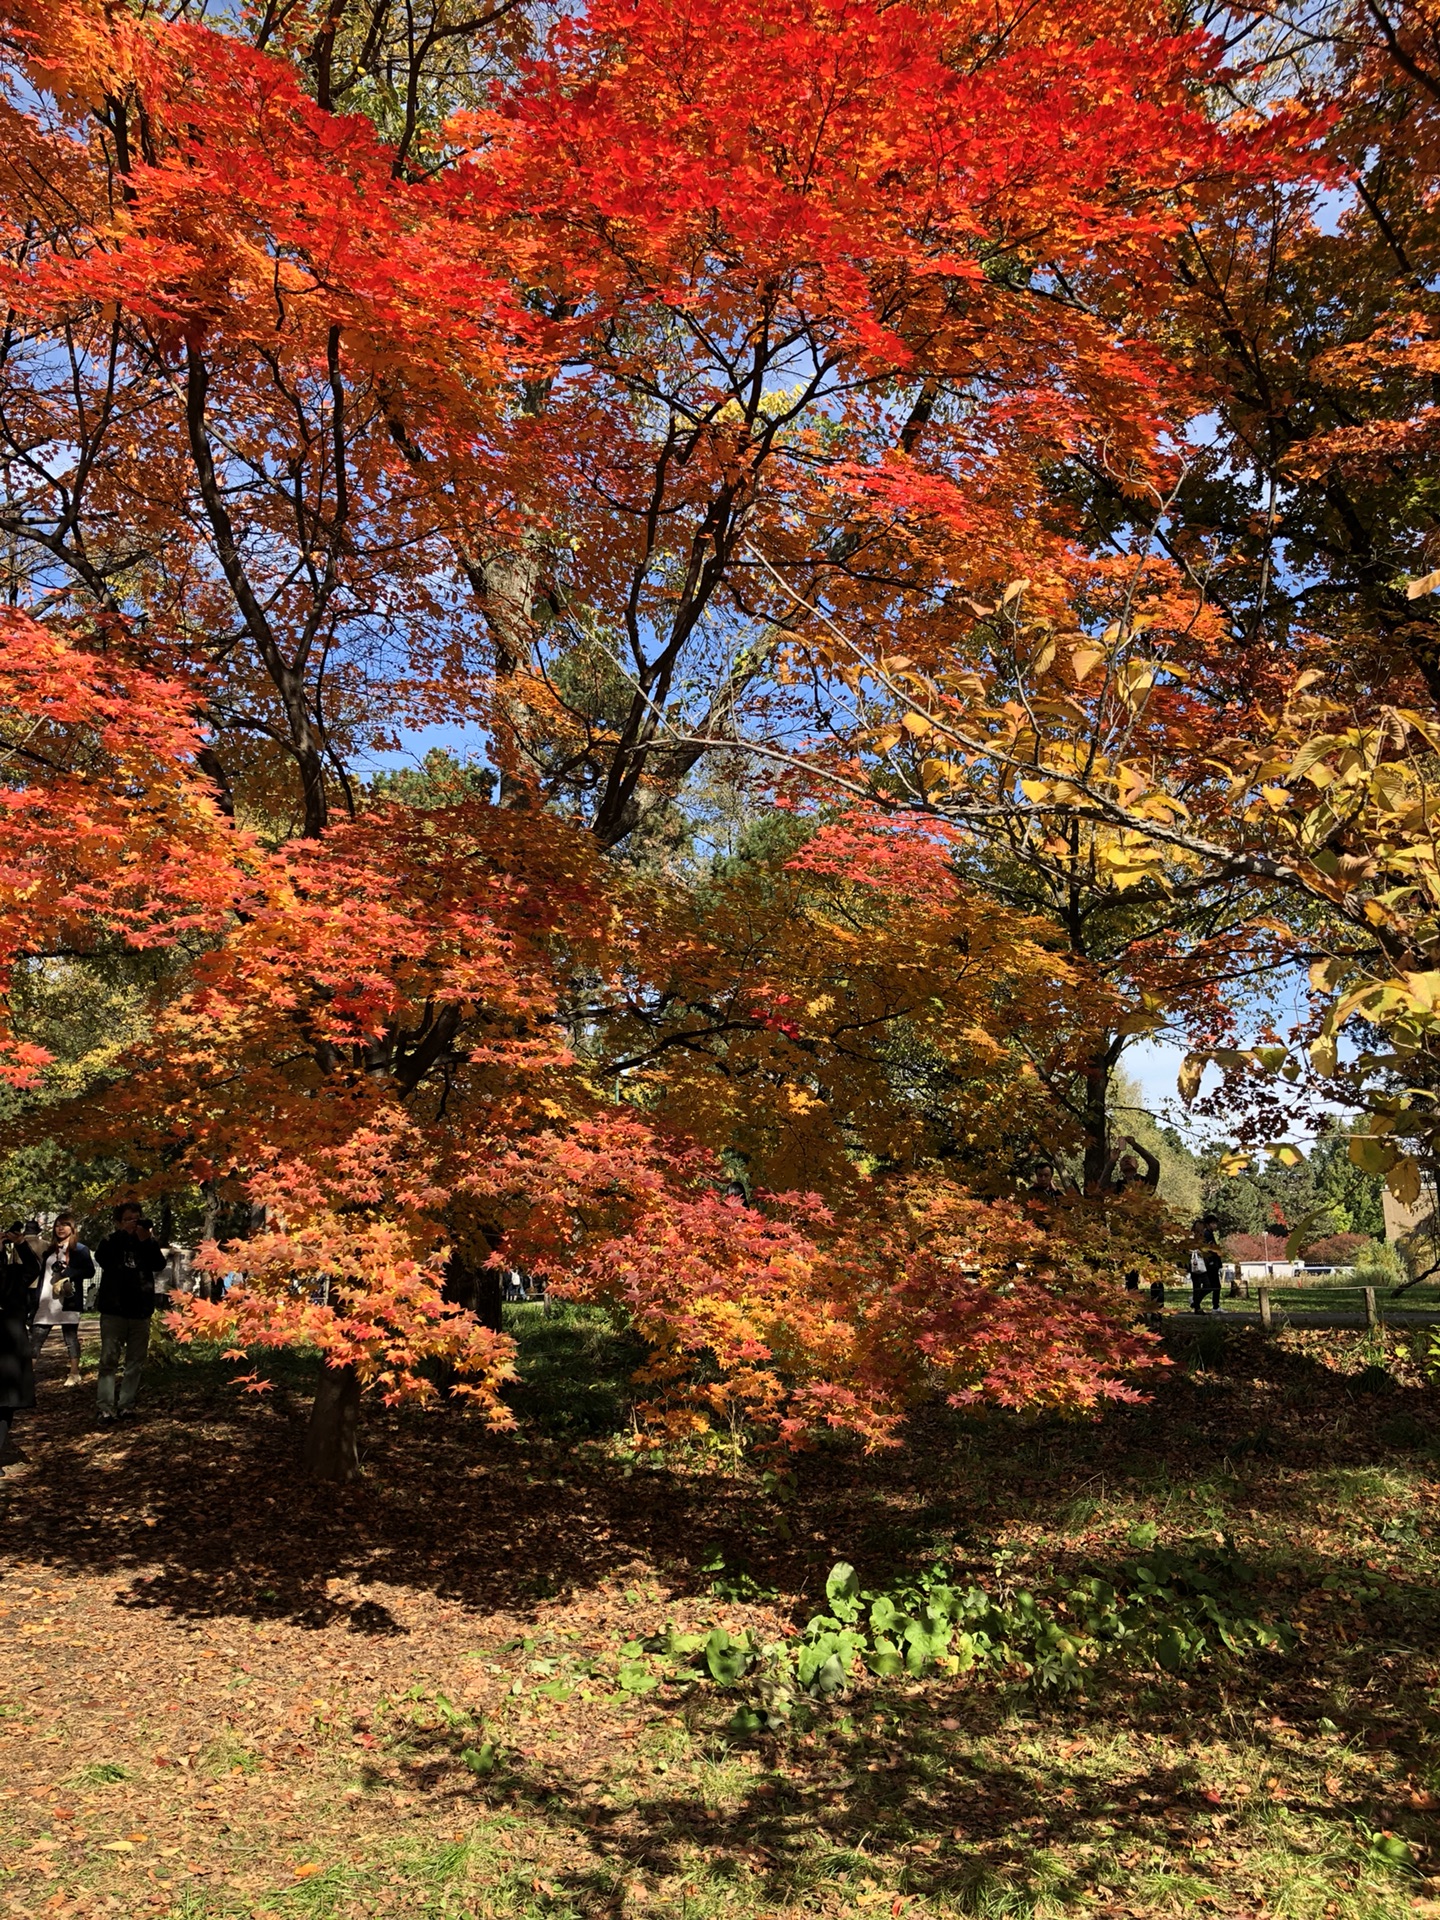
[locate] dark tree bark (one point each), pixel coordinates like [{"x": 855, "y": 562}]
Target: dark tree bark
[
  {"x": 1096, "y": 1124},
  {"x": 479, "y": 1289},
  {"x": 332, "y": 1449}
]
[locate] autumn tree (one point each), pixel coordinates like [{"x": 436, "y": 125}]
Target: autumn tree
[
  {"x": 1033, "y": 726},
  {"x": 560, "y": 413}
]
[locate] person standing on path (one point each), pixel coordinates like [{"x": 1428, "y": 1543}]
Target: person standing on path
[
  {"x": 65, "y": 1266},
  {"x": 1206, "y": 1264},
  {"x": 19, "y": 1272},
  {"x": 130, "y": 1259}
]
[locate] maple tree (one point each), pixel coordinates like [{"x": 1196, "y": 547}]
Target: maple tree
[
  {"x": 560, "y": 413},
  {"x": 1308, "y": 321},
  {"x": 1054, "y": 730},
  {"x": 109, "y": 832}
]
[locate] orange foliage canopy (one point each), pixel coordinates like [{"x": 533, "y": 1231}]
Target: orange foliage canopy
[
  {"x": 321, "y": 442},
  {"x": 106, "y": 826}
]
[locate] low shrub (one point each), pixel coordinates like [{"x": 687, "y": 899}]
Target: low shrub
[
  {"x": 1165, "y": 1608},
  {"x": 1377, "y": 1264}
]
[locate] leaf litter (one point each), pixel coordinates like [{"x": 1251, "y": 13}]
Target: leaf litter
[{"x": 422, "y": 1694}]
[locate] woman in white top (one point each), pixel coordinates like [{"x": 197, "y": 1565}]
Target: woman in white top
[{"x": 64, "y": 1269}]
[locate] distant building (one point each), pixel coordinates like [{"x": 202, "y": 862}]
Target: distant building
[
  {"x": 1412, "y": 1227},
  {"x": 1259, "y": 1256}
]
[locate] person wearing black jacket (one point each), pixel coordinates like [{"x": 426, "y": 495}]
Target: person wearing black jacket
[
  {"x": 130, "y": 1258},
  {"x": 1207, "y": 1263},
  {"x": 19, "y": 1275}
]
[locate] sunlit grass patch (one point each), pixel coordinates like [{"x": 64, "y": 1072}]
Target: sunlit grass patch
[
  {"x": 321, "y": 1895},
  {"x": 1373, "y": 1490},
  {"x": 100, "y": 1773},
  {"x": 226, "y": 1754}
]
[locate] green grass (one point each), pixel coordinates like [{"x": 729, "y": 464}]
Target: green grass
[
  {"x": 226, "y": 1754},
  {"x": 104, "y": 1773},
  {"x": 575, "y": 1367},
  {"x": 1346, "y": 1299}
]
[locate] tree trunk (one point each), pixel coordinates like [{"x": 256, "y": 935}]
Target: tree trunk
[
  {"x": 332, "y": 1450},
  {"x": 506, "y": 585},
  {"x": 1096, "y": 1123},
  {"x": 490, "y": 1299},
  {"x": 479, "y": 1289}
]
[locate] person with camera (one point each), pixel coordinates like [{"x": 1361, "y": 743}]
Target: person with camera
[{"x": 64, "y": 1268}]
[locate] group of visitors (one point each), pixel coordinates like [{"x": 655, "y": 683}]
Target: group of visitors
[{"x": 43, "y": 1289}]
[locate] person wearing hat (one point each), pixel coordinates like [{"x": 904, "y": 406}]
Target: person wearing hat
[{"x": 19, "y": 1276}]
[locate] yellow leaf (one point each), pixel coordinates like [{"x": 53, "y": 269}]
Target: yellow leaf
[
  {"x": 916, "y": 723},
  {"x": 1130, "y": 784},
  {"x": 1234, "y": 1163},
  {"x": 1427, "y": 583},
  {"x": 116, "y": 1846},
  {"x": 1044, "y": 659},
  {"x": 1323, "y": 1055},
  {"x": 1288, "y": 1156},
  {"x": 1136, "y": 679},
  {"x": 1372, "y": 1155},
  {"x": 886, "y": 740},
  {"x": 1403, "y": 1180},
  {"x": 1192, "y": 1072},
  {"x": 1424, "y": 989},
  {"x": 1140, "y": 1023},
  {"x": 1013, "y": 591},
  {"x": 1084, "y": 660},
  {"x": 1304, "y": 1231},
  {"x": 1276, "y": 797},
  {"x": 1036, "y": 791}
]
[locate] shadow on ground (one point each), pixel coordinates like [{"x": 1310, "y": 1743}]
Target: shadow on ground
[
  {"x": 197, "y": 1511},
  {"x": 200, "y": 1499}
]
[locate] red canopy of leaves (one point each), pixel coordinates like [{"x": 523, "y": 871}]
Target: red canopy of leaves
[
  {"x": 813, "y": 277},
  {"x": 107, "y": 830}
]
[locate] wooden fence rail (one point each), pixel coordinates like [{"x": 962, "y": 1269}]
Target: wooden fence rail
[{"x": 1268, "y": 1315}]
